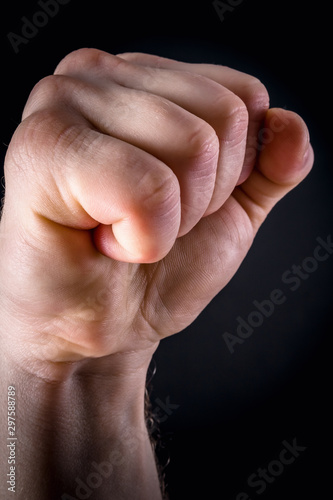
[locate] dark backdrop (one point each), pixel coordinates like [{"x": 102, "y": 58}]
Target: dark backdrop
[{"x": 223, "y": 415}]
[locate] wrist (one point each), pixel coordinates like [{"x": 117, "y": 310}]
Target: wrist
[{"x": 87, "y": 427}]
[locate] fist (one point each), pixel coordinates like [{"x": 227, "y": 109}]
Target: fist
[
  {"x": 137, "y": 179},
  {"x": 136, "y": 148}
]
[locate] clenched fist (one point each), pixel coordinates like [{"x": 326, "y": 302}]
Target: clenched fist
[
  {"x": 134, "y": 188},
  {"x": 135, "y": 176}
]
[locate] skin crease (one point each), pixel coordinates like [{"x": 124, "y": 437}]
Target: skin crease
[{"x": 133, "y": 193}]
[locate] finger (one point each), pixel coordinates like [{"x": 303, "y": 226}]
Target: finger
[
  {"x": 283, "y": 163},
  {"x": 249, "y": 89},
  {"x": 61, "y": 169},
  {"x": 200, "y": 96}
]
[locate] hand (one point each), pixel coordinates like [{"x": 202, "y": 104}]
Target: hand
[{"x": 133, "y": 192}]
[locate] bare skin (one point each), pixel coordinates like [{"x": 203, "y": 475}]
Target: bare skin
[{"x": 134, "y": 189}]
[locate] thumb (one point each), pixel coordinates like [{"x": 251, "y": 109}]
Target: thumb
[{"x": 285, "y": 160}]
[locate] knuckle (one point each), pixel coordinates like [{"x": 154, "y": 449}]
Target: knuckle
[
  {"x": 81, "y": 61},
  {"x": 44, "y": 136},
  {"x": 50, "y": 92},
  {"x": 42, "y": 93},
  {"x": 27, "y": 144},
  {"x": 81, "y": 58},
  {"x": 202, "y": 142},
  {"x": 256, "y": 96},
  {"x": 236, "y": 119},
  {"x": 160, "y": 193}
]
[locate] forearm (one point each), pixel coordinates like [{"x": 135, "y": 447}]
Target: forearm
[{"x": 83, "y": 436}]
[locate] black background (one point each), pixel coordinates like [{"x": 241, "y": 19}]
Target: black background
[{"x": 230, "y": 413}]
